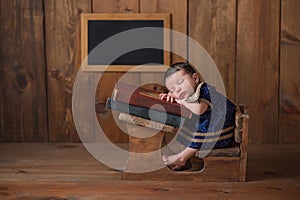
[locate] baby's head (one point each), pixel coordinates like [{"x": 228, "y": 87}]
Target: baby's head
[
  {"x": 187, "y": 68},
  {"x": 181, "y": 79}
]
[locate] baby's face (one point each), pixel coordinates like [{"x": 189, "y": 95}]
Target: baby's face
[{"x": 181, "y": 85}]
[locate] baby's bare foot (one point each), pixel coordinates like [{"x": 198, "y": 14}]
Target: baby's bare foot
[
  {"x": 188, "y": 165},
  {"x": 173, "y": 160}
]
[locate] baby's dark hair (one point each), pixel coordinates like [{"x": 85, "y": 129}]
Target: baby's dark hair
[{"x": 179, "y": 66}]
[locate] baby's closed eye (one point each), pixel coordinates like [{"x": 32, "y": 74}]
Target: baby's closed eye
[{"x": 180, "y": 81}]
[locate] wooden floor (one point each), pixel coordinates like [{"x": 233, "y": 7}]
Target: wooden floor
[{"x": 68, "y": 171}]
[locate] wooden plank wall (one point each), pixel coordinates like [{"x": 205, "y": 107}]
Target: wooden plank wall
[
  {"x": 23, "y": 108},
  {"x": 213, "y": 25},
  {"x": 254, "y": 43},
  {"x": 289, "y": 115},
  {"x": 257, "y": 61},
  {"x": 62, "y": 39}
]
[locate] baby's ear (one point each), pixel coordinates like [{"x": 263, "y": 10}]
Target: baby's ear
[{"x": 196, "y": 77}]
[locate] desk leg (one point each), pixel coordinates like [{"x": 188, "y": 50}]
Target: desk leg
[{"x": 145, "y": 154}]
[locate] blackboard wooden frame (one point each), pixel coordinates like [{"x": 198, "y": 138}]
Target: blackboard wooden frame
[{"x": 151, "y": 17}]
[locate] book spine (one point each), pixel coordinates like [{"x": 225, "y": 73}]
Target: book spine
[{"x": 158, "y": 116}]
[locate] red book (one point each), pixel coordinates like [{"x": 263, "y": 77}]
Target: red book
[{"x": 147, "y": 98}]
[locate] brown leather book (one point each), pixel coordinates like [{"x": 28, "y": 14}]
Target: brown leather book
[{"x": 147, "y": 98}]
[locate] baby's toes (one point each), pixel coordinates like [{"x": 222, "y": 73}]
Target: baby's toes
[{"x": 165, "y": 159}]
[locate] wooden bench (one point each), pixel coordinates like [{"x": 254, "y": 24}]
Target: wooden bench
[{"x": 146, "y": 139}]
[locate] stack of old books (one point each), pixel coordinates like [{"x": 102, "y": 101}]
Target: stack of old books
[{"x": 146, "y": 104}]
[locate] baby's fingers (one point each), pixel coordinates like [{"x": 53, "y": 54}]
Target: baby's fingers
[
  {"x": 163, "y": 96},
  {"x": 170, "y": 98}
]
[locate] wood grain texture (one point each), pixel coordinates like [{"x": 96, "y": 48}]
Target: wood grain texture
[
  {"x": 244, "y": 146},
  {"x": 23, "y": 111},
  {"x": 257, "y": 66},
  {"x": 62, "y": 20},
  {"x": 212, "y": 23},
  {"x": 68, "y": 171},
  {"x": 116, "y": 6},
  {"x": 123, "y": 190},
  {"x": 289, "y": 113}
]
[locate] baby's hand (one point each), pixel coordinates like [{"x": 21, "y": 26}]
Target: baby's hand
[
  {"x": 180, "y": 101},
  {"x": 167, "y": 97}
]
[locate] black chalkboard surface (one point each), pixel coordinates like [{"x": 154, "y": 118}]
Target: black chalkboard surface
[
  {"x": 97, "y": 28},
  {"x": 100, "y": 30}
]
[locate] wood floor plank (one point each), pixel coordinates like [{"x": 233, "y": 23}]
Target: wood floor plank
[
  {"x": 146, "y": 190},
  {"x": 68, "y": 171}
]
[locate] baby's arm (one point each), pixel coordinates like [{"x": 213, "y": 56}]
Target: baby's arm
[{"x": 197, "y": 108}]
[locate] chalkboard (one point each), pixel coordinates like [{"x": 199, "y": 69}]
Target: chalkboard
[{"x": 99, "y": 28}]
